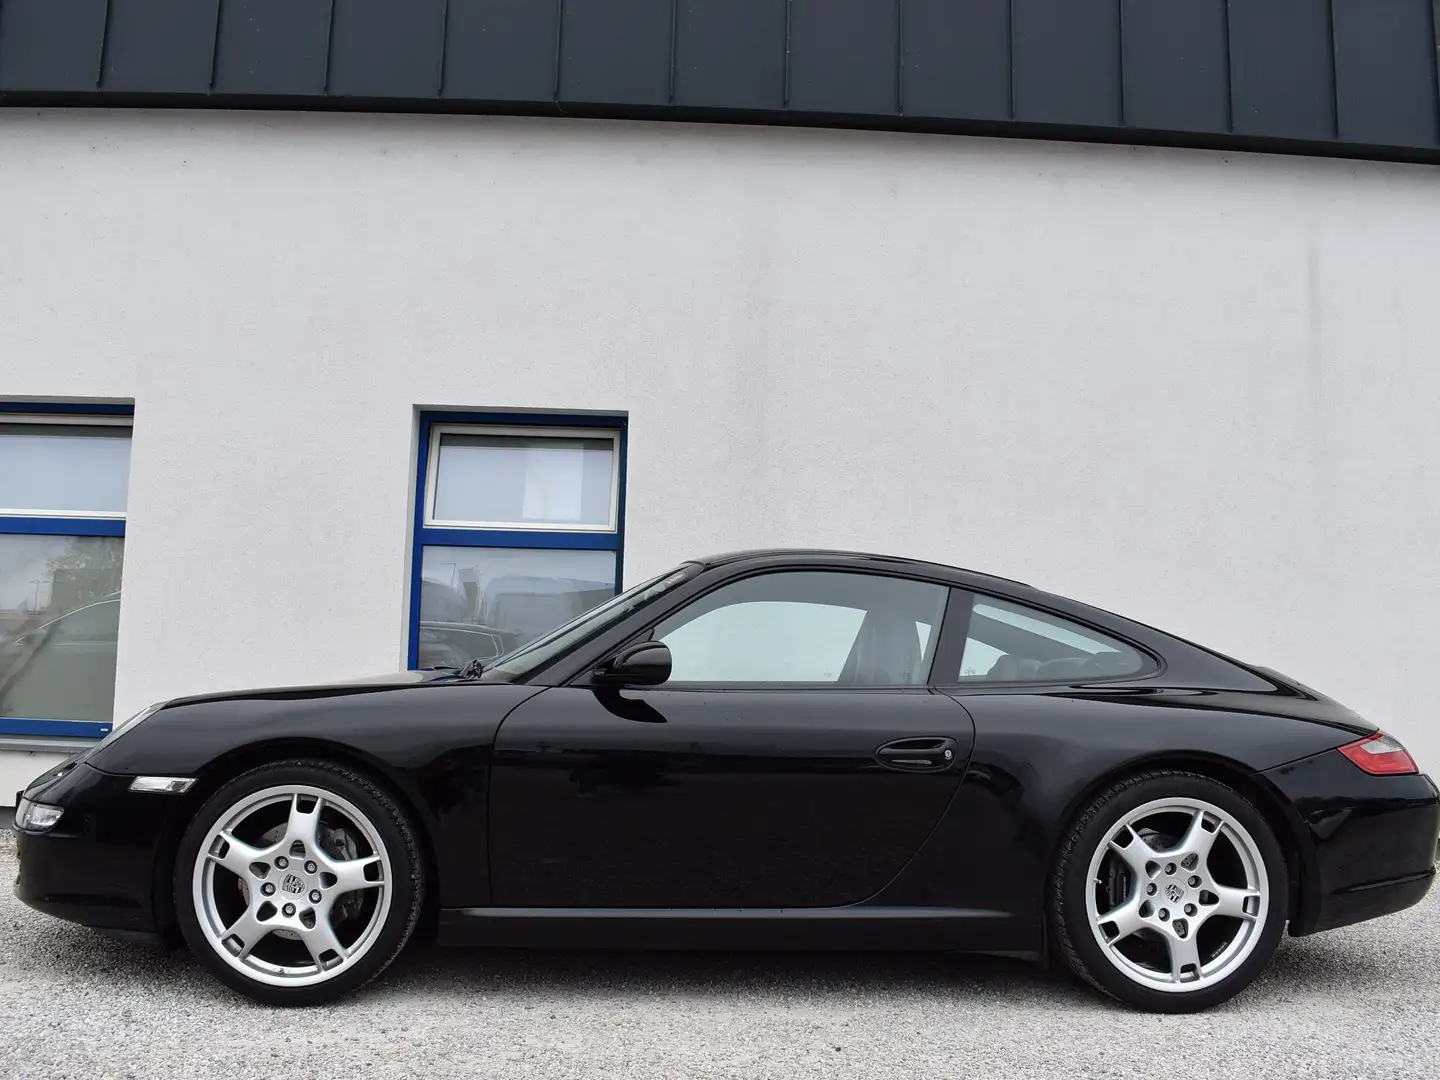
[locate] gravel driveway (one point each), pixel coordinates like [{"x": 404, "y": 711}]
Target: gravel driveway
[{"x": 1362, "y": 1002}]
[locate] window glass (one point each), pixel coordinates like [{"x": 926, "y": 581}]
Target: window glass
[
  {"x": 483, "y": 602},
  {"x": 806, "y": 627},
  {"x": 63, "y": 468},
  {"x": 525, "y": 480},
  {"x": 59, "y": 621},
  {"x": 1010, "y": 643},
  {"x": 564, "y": 638}
]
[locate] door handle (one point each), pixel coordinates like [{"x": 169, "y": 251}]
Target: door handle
[{"x": 925, "y": 754}]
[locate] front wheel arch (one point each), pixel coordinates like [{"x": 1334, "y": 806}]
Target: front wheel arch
[{"x": 233, "y": 763}]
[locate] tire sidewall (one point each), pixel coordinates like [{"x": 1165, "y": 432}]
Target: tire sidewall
[
  {"x": 1074, "y": 882},
  {"x": 394, "y": 831}
]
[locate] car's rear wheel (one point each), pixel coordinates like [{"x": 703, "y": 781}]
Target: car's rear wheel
[
  {"x": 1169, "y": 892},
  {"x": 298, "y": 882}
]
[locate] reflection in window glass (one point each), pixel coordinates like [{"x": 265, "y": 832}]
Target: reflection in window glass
[
  {"x": 806, "y": 627},
  {"x": 483, "y": 602},
  {"x": 59, "y": 622},
  {"x": 64, "y": 468},
  {"x": 765, "y": 641},
  {"x": 1010, "y": 643},
  {"x": 525, "y": 480}
]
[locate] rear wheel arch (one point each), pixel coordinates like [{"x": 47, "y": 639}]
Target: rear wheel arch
[
  {"x": 234, "y": 763},
  {"x": 1289, "y": 831}
]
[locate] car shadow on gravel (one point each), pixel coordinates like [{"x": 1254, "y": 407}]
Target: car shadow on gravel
[{"x": 64, "y": 951}]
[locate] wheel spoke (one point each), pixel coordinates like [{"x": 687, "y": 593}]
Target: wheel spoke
[
  {"x": 302, "y": 825},
  {"x": 350, "y": 874},
  {"x": 249, "y": 930},
  {"x": 1184, "y": 958},
  {"x": 320, "y": 939},
  {"x": 1236, "y": 903},
  {"x": 1136, "y": 853},
  {"x": 1125, "y": 919},
  {"x": 1200, "y": 837},
  {"x": 238, "y": 856}
]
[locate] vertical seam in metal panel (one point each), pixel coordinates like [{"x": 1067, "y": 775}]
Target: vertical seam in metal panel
[
  {"x": 215, "y": 45},
  {"x": 674, "y": 35},
  {"x": 1120, "y": 57},
  {"x": 1229, "y": 72},
  {"x": 329, "y": 47},
  {"x": 1334, "y": 75},
  {"x": 900, "y": 57},
  {"x": 444, "y": 45},
  {"x": 559, "y": 43},
  {"x": 785, "y": 90},
  {"x": 1010, "y": 33},
  {"x": 104, "y": 46}
]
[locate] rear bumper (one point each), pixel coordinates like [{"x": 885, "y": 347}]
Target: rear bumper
[
  {"x": 98, "y": 865},
  {"x": 1370, "y": 901},
  {"x": 1368, "y": 843}
]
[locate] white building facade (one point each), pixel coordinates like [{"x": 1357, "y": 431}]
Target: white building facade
[{"x": 1190, "y": 386}]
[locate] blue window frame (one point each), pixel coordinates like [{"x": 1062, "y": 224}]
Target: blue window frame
[
  {"x": 64, "y": 476},
  {"x": 519, "y": 526}
]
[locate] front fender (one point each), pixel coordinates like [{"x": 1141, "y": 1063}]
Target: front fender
[{"x": 429, "y": 743}]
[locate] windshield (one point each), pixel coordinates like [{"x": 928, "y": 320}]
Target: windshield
[{"x": 562, "y": 639}]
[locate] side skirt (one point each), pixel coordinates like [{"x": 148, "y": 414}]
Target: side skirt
[{"x": 857, "y": 927}]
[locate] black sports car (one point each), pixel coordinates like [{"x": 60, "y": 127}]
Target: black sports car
[{"x": 784, "y": 749}]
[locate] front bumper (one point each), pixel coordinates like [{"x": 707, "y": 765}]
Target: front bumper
[
  {"x": 99, "y": 865},
  {"x": 1369, "y": 843}
]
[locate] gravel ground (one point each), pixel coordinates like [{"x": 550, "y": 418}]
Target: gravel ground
[{"x": 1361, "y": 1002}]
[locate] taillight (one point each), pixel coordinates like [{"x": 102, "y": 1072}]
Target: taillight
[{"x": 1380, "y": 755}]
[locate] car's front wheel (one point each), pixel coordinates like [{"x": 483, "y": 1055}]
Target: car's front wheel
[
  {"x": 1169, "y": 892},
  {"x": 298, "y": 882}
]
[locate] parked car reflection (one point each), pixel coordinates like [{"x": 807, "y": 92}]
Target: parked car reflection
[{"x": 63, "y": 669}]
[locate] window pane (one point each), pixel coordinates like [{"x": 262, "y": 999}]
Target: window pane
[
  {"x": 64, "y": 468},
  {"x": 479, "y": 603},
  {"x": 807, "y": 627},
  {"x": 524, "y": 480},
  {"x": 59, "y": 622},
  {"x": 1010, "y": 643}
]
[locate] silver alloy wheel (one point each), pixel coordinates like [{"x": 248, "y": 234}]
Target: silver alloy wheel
[
  {"x": 292, "y": 882},
  {"x": 1153, "y": 888}
]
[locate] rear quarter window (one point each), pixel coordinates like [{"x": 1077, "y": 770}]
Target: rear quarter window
[{"x": 1008, "y": 642}]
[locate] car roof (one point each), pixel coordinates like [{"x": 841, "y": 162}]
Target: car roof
[{"x": 893, "y": 562}]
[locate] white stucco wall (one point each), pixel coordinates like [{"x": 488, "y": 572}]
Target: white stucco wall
[{"x": 1196, "y": 388}]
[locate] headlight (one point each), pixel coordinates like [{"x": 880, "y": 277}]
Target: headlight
[{"x": 36, "y": 817}]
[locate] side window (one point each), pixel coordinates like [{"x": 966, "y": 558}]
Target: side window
[
  {"x": 1007, "y": 642},
  {"x": 807, "y": 627}
]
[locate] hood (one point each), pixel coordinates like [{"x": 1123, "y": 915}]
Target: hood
[{"x": 388, "y": 681}]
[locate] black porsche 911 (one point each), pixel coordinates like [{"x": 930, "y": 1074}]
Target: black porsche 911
[{"x": 783, "y": 749}]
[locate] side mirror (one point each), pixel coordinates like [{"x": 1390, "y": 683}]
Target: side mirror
[{"x": 645, "y": 663}]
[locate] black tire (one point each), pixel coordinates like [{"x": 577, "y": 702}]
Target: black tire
[
  {"x": 1070, "y": 923},
  {"x": 394, "y": 831}
]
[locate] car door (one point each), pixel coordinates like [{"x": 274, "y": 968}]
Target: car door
[{"x": 796, "y": 757}]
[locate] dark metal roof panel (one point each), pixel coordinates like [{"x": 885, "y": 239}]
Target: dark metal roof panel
[
  {"x": 1176, "y": 64},
  {"x": 272, "y": 47},
  {"x": 955, "y": 59},
  {"x": 1385, "y": 72},
  {"x": 159, "y": 46},
  {"x": 730, "y": 54},
  {"x": 1282, "y": 74},
  {"x": 1067, "y": 61},
  {"x": 1346, "y": 77},
  {"x": 45, "y": 46},
  {"x": 501, "y": 50}
]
